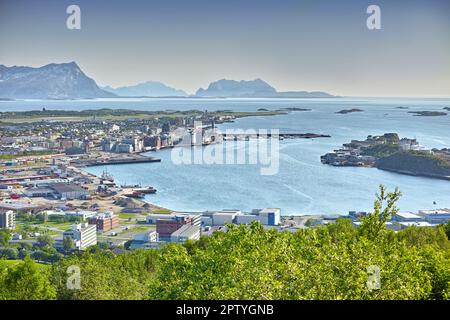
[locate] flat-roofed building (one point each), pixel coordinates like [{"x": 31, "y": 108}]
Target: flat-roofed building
[
  {"x": 82, "y": 214},
  {"x": 223, "y": 217},
  {"x": 270, "y": 216},
  {"x": 104, "y": 221},
  {"x": 153, "y": 217}
]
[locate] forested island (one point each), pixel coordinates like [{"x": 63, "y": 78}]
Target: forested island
[{"x": 389, "y": 152}]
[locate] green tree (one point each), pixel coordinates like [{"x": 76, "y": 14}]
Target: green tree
[
  {"x": 68, "y": 244},
  {"x": 45, "y": 241},
  {"x": 374, "y": 224},
  {"x": 5, "y": 236},
  {"x": 447, "y": 229},
  {"x": 9, "y": 253},
  {"x": 28, "y": 282}
]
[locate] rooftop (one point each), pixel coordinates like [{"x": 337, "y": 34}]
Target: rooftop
[
  {"x": 417, "y": 224},
  {"x": 435, "y": 211},
  {"x": 65, "y": 187},
  {"x": 186, "y": 231},
  {"x": 17, "y": 205},
  {"x": 408, "y": 215}
]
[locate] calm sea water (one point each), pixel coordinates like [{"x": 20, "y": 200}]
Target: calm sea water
[{"x": 303, "y": 185}]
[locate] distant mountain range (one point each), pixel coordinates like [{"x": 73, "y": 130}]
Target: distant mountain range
[
  {"x": 253, "y": 89},
  {"x": 67, "y": 81},
  {"x": 147, "y": 89},
  {"x": 53, "y": 81}
]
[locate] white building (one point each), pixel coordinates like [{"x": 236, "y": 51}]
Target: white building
[
  {"x": 186, "y": 232},
  {"x": 437, "y": 216},
  {"x": 151, "y": 236},
  {"x": 409, "y": 144},
  {"x": 246, "y": 218},
  {"x": 270, "y": 216},
  {"x": 83, "y": 214},
  {"x": 84, "y": 235},
  {"x": 151, "y": 218},
  {"x": 196, "y": 219},
  {"x": 8, "y": 220},
  {"x": 223, "y": 217},
  {"x": 146, "y": 240},
  {"x": 420, "y": 224}
]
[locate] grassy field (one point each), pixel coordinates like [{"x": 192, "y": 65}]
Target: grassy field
[
  {"x": 132, "y": 231},
  {"x": 133, "y": 216},
  {"x": 15, "y": 263},
  {"x": 161, "y": 211}
]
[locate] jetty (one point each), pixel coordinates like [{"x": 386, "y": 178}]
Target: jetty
[{"x": 281, "y": 136}]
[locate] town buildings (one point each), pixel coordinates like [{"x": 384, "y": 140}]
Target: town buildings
[
  {"x": 436, "y": 216},
  {"x": 165, "y": 227}
]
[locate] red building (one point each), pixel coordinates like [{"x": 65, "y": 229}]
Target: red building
[{"x": 104, "y": 221}]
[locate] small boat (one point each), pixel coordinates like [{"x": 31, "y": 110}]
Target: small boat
[{"x": 106, "y": 176}]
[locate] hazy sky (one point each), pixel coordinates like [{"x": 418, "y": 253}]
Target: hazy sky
[{"x": 292, "y": 44}]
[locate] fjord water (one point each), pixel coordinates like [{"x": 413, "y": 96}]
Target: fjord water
[{"x": 303, "y": 185}]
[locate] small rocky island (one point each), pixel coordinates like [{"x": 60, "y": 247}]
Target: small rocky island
[
  {"x": 428, "y": 113},
  {"x": 345, "y": 111},
  {"x": 389, "y": 152}
]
